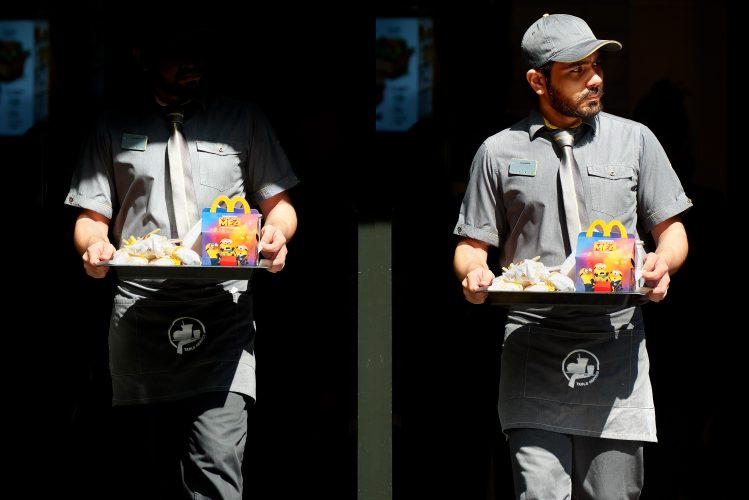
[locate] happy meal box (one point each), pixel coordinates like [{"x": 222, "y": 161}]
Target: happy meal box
[
  {"x": 604, "y": 262},
  {"x": 230, "y": 237}
]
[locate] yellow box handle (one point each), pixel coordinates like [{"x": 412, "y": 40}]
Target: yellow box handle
[
  {"x": 607, "y": 227},
  {"x": 230, "y": 204}
]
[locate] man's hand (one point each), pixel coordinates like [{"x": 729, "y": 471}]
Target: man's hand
[
  {"x": 671, "y": 249},
  {"x": 655, "y": 272},
  {"x": 279, "y": 228},
  {"x": 469, "y": 262},
  {"x": 98, "y": 252},
  {"x": 475, "y": 283},
  {"x": 273, "y": 247},
  {"x": 91, "y": 241}
]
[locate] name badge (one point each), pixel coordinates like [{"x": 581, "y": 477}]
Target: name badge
[
  {"x": 134, "y": 142},
  {"x": 523, "y": 167}
]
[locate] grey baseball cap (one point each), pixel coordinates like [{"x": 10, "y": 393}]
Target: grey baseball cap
[{"x": 562, "y": 38}]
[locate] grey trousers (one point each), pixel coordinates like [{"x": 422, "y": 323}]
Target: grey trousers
[
  {"x": 187, "y": 449},
  {"x": 553, "y": 466}
]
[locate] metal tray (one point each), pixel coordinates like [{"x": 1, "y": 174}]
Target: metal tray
[
  {"x": 218, "y": 273},
  {"x": 623, "y": 299}
]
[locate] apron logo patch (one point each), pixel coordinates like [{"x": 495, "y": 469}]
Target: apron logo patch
[
  {"x": 186, "y": 334},
  {"x": 581, "y": 368}
]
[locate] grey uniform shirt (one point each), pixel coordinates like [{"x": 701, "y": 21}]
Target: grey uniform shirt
[
  {"x": 171, "y": 338},
  {"x": 626, "y": 176}
]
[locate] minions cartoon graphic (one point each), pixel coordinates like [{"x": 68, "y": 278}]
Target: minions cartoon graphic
[
  {"x": 242, "y": 252},
  {"x": 616, "y": 280},
  {"x": 212, "y": 251},
  {"x": 228, "y": 256},
  {"x": 602, "y": 281},
  {"x": 586, "y": 276}
]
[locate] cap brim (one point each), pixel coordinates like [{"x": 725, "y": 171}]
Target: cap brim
[{"x": 583, "y": 50}]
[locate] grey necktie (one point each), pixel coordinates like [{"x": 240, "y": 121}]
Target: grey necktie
[
  {"x": 572, "y": 189},
  {"x": 180, "y": 176}
]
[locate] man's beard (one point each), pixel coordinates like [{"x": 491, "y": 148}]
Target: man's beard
[
  {"x": 183, "y": 91},
  {"x": 571, "y": 107}
]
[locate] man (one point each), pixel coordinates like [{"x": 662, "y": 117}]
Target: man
[
  {"x": 182, "y": 398},
  {"x": 569, "y": 438}
]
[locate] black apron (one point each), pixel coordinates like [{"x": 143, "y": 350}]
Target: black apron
[
  {"x": 167, "y": 349},
  {"x": 593, "y": 384}
]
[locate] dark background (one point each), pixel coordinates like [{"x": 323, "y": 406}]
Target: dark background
[{"x": 310, "y": 69}]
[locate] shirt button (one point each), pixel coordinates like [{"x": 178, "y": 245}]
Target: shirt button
[
  {"x": 460, "y": 229},
  {"x": 221, "y": 150},
  {"x": 611, "y": 173}
]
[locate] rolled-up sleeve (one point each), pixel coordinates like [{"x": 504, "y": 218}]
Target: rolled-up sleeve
[
  {"x": 660, "y": 193},
  {"x": 478, "y": 212},
  {"x": 92, "y": 184},
  {"x": 268, "y": 168}
]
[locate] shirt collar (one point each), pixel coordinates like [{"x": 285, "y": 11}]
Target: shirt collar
[
  {"x": 151, "y": 104},
  {"x": 536, "y": 123}
]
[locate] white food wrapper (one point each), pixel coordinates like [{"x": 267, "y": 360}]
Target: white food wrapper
[
  {"x": 561, "y": 282},
  {"x": 537, "y": 287},
  {"x": 639, "y": 263},
  {"x": 499, "y": 284},
  {"x": 568, "y": 266}
]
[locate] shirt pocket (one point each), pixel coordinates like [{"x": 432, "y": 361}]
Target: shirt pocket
[
  {"x": 220, "y": 164},
  {"x": 612, "y": 189}
]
